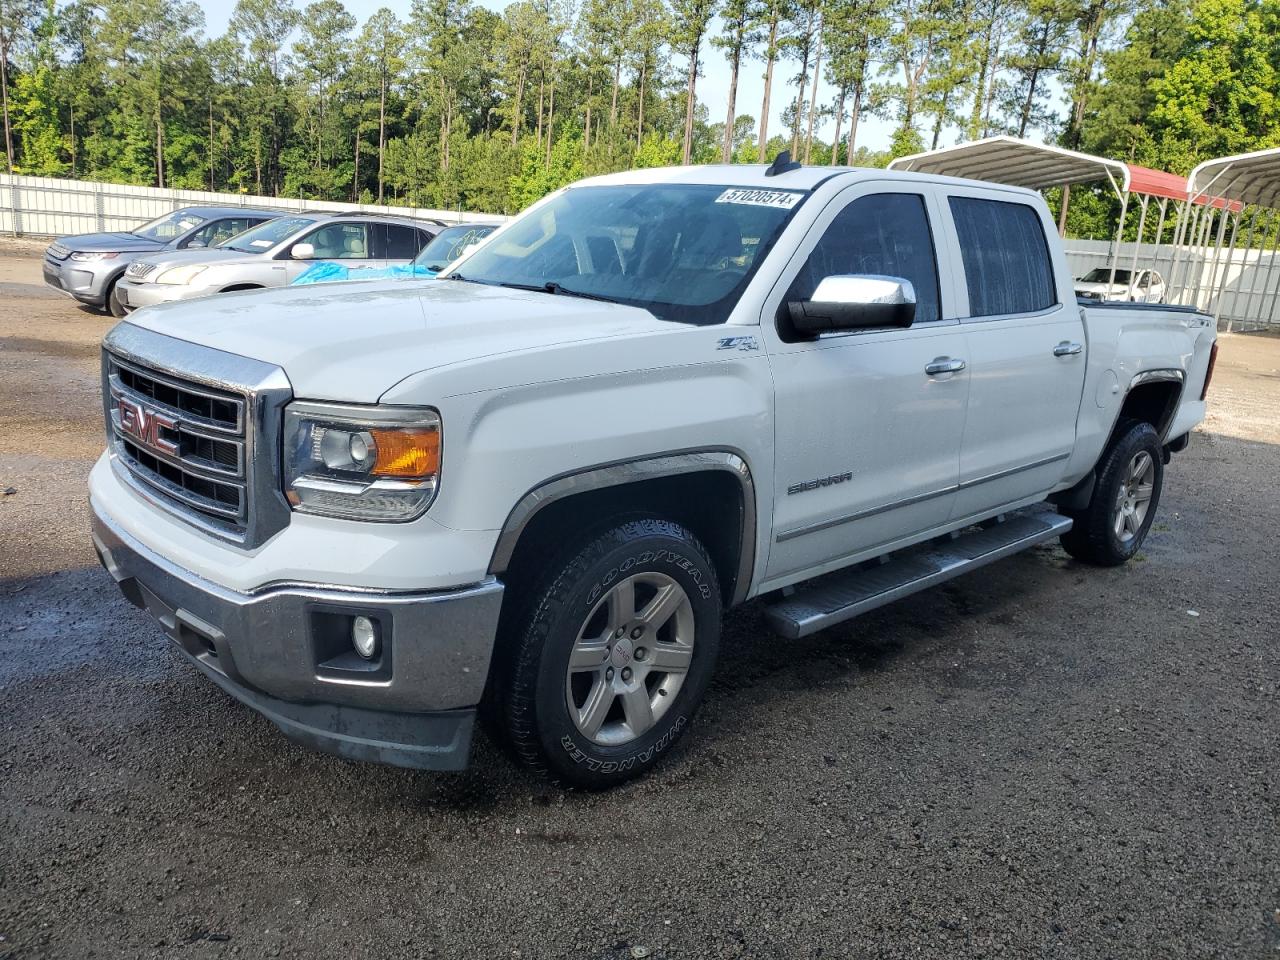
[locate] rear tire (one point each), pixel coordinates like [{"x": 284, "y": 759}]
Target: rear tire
[
  {"x": 1113, "y": 527},
  {"x": 605, "y": 666}
]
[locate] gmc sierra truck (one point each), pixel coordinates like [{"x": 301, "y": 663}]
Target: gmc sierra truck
[{"x": 530, "y": 490}]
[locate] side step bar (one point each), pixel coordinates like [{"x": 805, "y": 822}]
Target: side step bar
[{"x": 841, "y": 596}]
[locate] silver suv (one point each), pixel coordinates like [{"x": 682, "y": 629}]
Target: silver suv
[
  {"x": 275, "y": 253},
  {"x": 88, "y": 265}
]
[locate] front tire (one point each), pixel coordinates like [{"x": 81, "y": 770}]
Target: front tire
[
  {"x": 609, "y": 661},
  {"x": 1130, "y": 476},
  {"x": 114, "y": 306}
]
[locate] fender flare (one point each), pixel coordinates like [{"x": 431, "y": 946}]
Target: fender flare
[{"x": 633, "y": 471}]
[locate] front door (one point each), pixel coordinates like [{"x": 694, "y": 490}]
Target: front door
[
  {"x": 867, "y": 423},
  {"x": 1026, "y": 358},
  {"x": 344, "y": 242}
]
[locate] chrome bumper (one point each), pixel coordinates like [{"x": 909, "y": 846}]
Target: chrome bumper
[{"x": 284, "y": 652}]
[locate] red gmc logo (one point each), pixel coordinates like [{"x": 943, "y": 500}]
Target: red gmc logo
[{"x": 144, "y": 424}]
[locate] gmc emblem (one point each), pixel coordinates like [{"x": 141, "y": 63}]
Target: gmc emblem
[{"x": 144, "y": 425}]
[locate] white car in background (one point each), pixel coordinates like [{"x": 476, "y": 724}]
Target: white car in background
[
  {"x": 1133, "y": 286},
  {"x": 274, "y": 254}
]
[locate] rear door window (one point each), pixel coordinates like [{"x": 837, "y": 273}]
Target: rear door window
[
  {"x": 885, "y": 234},
  {"x": 402, "y": 242},
  {"x": 1006, "y": 257}
]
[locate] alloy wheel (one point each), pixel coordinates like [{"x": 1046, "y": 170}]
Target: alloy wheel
[
  {"x": 630, "y": 658},
  {"x": 1134, "y": 498}
]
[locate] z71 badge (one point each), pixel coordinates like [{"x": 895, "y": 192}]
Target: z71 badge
[
  {"x": 808, "y": 485},
  {"x": 737, "y": 343}
]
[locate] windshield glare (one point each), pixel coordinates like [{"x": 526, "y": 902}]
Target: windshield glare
[
  {"x": 265, "y": 236},
  {"x": 169, "y": 226},
  {"x": 1103, "y": 274},
  {"x": 682, "y": 251},
  {"x": 449, "y": 245}
]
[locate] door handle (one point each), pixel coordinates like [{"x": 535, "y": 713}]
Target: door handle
[
  {"x": 944, "y": 365},
  {"x": 1067, "y": 349}
]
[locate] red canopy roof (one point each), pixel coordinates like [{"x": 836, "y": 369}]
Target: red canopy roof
[{"x": 1157, "y": 183}]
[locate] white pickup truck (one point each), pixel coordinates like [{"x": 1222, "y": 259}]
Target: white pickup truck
[{"x": 530, "y": 491}]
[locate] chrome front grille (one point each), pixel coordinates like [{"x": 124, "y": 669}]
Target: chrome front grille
[
  {"x": 185, "y": 440},
  {"x": 196, "y": 431},
  {"x": 58, "y": 251},
  {"x": 139, "y": 269}
]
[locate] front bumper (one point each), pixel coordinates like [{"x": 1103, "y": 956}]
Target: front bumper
[
  {"x": 85, "y": 281},
  {"x": 283, "y": 651},
  {"x": 134, "y": 295}
]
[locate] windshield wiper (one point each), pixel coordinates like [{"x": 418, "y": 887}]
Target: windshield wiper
[{"x": 551, "y": 286}]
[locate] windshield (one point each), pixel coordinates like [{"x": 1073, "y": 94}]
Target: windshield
[
  {"x": 682, "y": 251},
  {"x": 265, "y": 236},
  {"x": 449, "y": 244},
  {"x": 1102, "y": 274},
  {"x": 169, "y": 226}
]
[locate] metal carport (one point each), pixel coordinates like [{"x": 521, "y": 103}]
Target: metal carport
[{"x": 1246, "y": 180}]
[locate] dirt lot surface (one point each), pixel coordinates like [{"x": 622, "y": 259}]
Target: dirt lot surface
[{"x": 1039, "y": 760}]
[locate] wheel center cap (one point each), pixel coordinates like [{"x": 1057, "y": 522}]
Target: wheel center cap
[{"x": 623, "y": 652}]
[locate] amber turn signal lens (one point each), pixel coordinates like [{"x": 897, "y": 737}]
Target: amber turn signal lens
[{"x": 407, "y": 454}]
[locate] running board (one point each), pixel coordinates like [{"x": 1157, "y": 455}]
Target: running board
[{"x": 837, "y": 597}]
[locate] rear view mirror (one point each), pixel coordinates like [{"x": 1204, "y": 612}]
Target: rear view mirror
[
  {"x": 302, "y": 251},
  {"x": 468, "y": 249},
  {"x": 852, "y": 302}
]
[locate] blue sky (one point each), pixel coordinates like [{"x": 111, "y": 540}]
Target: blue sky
[{"x": 713, "y": 86}]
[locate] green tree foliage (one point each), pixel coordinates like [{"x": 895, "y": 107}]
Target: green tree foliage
[{"x": 460, "y": 106}]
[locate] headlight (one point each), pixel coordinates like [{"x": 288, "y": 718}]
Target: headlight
[
  {"x": 361, "y": 463},
  {"x": 90, "y": 257},
  {"x": 181, "y": 275}
]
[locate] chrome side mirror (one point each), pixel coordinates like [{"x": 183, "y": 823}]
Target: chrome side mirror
[
  {"x": 302, "y": 251},
  {"x": 854, "y": 302}
]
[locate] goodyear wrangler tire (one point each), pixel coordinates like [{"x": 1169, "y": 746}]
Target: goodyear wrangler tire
[
  {"x": 1130, "y": 477},
  {"x": 613, "y": 655}
]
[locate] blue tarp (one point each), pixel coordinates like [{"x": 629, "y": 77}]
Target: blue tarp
[{"x": 328, "y": 272}]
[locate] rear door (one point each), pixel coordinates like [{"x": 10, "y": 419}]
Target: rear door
[
  {"x": 1026, "y": 352},
  {"x": 867, "y": 438}
]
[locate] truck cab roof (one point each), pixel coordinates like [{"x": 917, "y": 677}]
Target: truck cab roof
[{"x": 802, "y": 178}]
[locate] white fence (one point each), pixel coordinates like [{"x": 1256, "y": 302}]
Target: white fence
[
  {"x": 1241, "y": 288},
  {"x": 49, "y": 207}
]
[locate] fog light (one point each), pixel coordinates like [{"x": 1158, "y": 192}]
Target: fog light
[{"x": 364, "y": 637}]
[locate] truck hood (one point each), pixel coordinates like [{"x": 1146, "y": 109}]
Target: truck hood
[
  {"x": 106, "y": 242},
  {"x": 352, "y": 342},
  {"x": 1106, "y": 289}
]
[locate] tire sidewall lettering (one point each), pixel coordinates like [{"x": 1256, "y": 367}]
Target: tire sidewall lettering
[
  {"x": 578, "y": 755},
  {"x": 684, "y": 564}
]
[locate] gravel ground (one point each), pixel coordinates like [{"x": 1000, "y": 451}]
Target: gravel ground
[{"x": 1038, "y": 760}]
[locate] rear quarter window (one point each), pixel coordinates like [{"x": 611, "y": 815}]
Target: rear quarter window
[{"x": 1006, "y": 257}]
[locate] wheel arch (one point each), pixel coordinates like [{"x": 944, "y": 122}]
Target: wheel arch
[
  {"x": 233, "y": 287},
  {"x": 709, "y": 491},
  {"x": 1153, "y": 398}
]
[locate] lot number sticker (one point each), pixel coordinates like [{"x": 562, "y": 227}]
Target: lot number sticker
[{"x": 760, "y": 198}]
